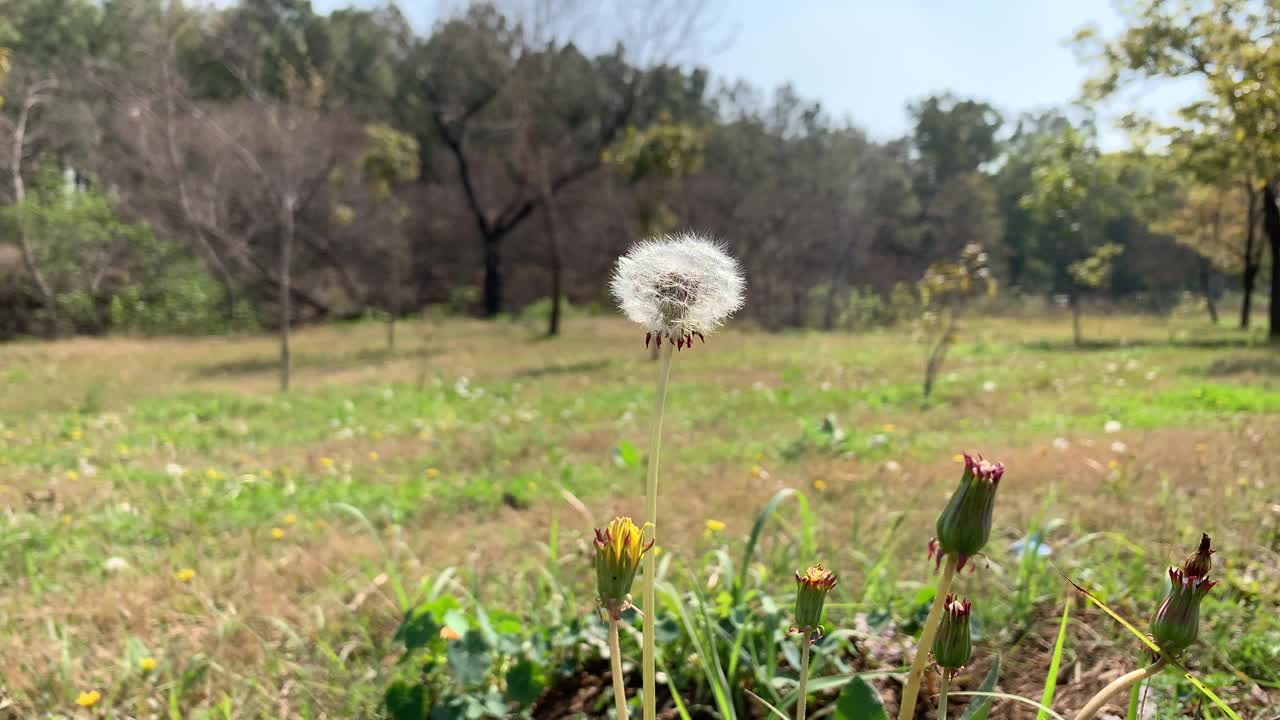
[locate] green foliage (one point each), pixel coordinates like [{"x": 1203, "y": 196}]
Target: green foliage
[
  {"x": 859, "y": 701},
  {"x": 1095, "y": 271},
  {"x": 666, "y": 150}
]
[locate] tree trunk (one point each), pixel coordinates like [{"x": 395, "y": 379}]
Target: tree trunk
[
  {"x": 1271, "y": 225},
  {"x": 1206, "y": 287},
  {"x": 938, "y": 354},
  {"x": 492, "y": 277},
  {"x": 286, "y": 297},
  {"x": 1073, "y": 300},
  {"x": 1249, "y": 274},
  {"x": 550, "y": 216}
]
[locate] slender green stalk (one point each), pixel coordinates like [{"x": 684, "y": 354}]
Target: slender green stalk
[
  {"x": 615, "y": 655},
  {"x": 912, "y": 691},
  {"x": 651, "y": 516},
  {"x": 943, "y": 687},
  {"x": 803, "y": 700},
  {"x": 1120, "y": 683}
]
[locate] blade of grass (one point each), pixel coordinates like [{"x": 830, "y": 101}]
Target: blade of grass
[
  {"x": 769, "y": 508},
  {"x": 765, "y": 703},
  {"x": 1007, "y": 696},
  {"x": 1135, "y": 696},
  {"x": 675, "y": 694},
  {"x": 980, "y": 707},
  {"x": 1055, "y": 662}
]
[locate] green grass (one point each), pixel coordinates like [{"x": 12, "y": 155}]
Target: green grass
[{"x": 450, "y": 459}]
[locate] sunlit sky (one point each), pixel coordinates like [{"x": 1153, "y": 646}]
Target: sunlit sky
[{"x": 866, "y": 59}]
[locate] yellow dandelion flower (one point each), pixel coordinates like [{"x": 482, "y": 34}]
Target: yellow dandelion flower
[
  {"x": 266, "y": 474},
  {"x": 290, "y": 519},
  {"x": 957, "y": 458},
  {"x": 756, "y": 470},
  {"x": 447, "y": 633},
  {"x": 277, "y": 533},
  {"x": 1242, "y": 481},
  {"x": 212, "y": 474},
  {"x": 88, "y": 699},
  {"x": 76, "y": 434},
  {"x": 326, "y": 463},
  {"x": 532, "y": 485},
  {"x": 887, "y": 427},
  {"x": 373, "y": 455},
  {"x": 122, "y": 450},
  {"x": 1113, "y": 464},
  {"x": 147, "y": 664},
  {"x": 714, "y": 526},
  {"x": 185, "y": 575},
  {"x": 432, "y": 472},
  {"x": 66, "y": 519},
  {"x": 819, "y": 485},
  {"x": 72, "y": 475}
]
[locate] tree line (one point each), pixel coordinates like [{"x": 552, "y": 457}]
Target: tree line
[{"x": 173, "y": 168}]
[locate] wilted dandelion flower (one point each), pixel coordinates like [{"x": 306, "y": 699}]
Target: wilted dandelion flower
[
  {"x": 678, "y": 286},
  {"x": 811, "y": 593},
  {"x": 88, "y": 699},
  {"x": 952, "y": 646},
  {"x": 965, "y": 525}
]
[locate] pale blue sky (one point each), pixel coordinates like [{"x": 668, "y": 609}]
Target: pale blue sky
[{"x": 866, "y": 59}]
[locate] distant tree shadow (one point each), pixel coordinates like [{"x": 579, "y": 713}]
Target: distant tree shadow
[
  {"x": 578, "y": 367},
  {"x": 346, "y": 361},
  {"x": 1216, "y": 343},
  {"x": 1241, "y": 364}
]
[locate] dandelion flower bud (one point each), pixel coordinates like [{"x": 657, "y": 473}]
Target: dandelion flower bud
[
  {"x": 618, "y": 550},
  {"x": 1177, "y": 620},
  {"x": 811, "y": 593},
  {"x": 965, "y": 525},
  {"x": 1199, "y": 563},
  {"x": 677, "y": 286},
  {"x": 952, "y": 646}
]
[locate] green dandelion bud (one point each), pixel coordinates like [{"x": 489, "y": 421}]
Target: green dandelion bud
[
  {"x": 811, "y": 592},
  {"x": 618, "y": 550},
  {"x": 952, "y": 647},
  {"x": 965, "y": 526},
  {"x": 1177, "y": 621}
]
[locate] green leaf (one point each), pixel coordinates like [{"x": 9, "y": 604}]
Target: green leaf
[
  {"x": 405, "y": 701},
  {"x": 980, "y": 706},
  {"x": 525, "y": 682},
  {"x": 1055, "y": 662},
  {"x": 859, "y": 701},
  {"x": 470, "y": 659},
  {"x": 456, "y": 620},
  {"x": 627, "y": 455},
  {"x": 418, "y": 629}
]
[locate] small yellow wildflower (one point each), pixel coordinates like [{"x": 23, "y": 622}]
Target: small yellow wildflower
[
  {"x": 1112, "y": 464},
  {"x": 887, "y": 427},
  {"x": 326, "y": 463},
  {"x": 1242, "y": 481},
  {"x": 88, "y": 699},
  {"x": 266, "y": 473},
  {"x": 373, "y": 455},
  {"x": 819, "y": 485},
  {"x": 290, "y": 519},
  {"x": 448, "y": 633},
  {"x": 147, "y": 664},
  {"x": 212, "y": 474},
  {"x": 957, "y": 458},
  {"x": 277, "y": 533},
  {"x": 714, "y": 526},
  {"x": 185, "y": 575},
  {"x": 432, "y": 472},
  {"x": 122, "y": 450},
  {"x": 72, "y": 475},
  {"x": 532, "y": 485},
  {"x": 76, "y": 434},
  {"x": 66, "y": 519},
  {"x": 756, "y": 470}
]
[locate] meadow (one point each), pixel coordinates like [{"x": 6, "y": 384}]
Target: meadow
[{"x": 409, "y": 532}]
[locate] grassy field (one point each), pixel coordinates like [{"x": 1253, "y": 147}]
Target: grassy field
[{"x": 186, "y": 542}]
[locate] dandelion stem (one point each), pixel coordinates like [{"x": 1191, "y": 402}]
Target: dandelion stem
[
  {"x": 651, "y": 516},
  {"x": 943, "y": 686},
  {"x": 1120, "y": 683},
  {"x": 803, "y": 701},
  {"x": 615, "y": 656},
  {"x": 907, "y": 711}
]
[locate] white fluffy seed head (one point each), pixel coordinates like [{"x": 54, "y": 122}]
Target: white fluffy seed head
[{"x": 678, "y": 286}]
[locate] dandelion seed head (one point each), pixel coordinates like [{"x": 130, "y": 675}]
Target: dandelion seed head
[{"x": 678, "y": 286}]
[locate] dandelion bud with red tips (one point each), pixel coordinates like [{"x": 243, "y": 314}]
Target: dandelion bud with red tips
[
  {"x": 1177, "y": 621},
  {"x": 952, "y": 646},
  {"x": 965, "y": 525},
  {"x": 618, "y": 550},
  {"x": 811, "y": 593}
]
